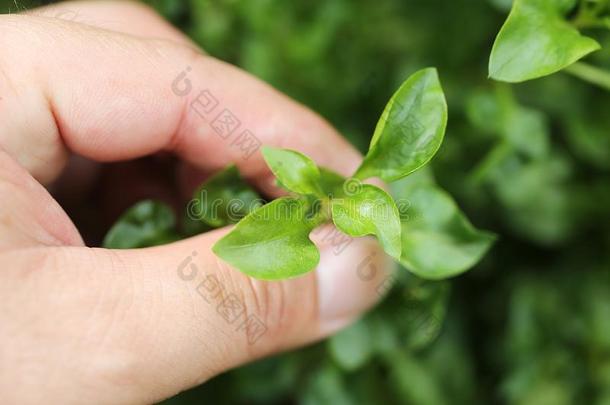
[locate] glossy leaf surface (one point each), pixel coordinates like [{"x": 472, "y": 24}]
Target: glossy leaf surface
[
  {"x": 537, "y": 40},
  {"x": 272, "y": 242},
  {"x": 369, "y": 211},
  {"x": 410, "y": 130},
  {"x": 294, "y": 171}
]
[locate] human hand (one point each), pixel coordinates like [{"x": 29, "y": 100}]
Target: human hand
[{"x": 81, "y": 323}]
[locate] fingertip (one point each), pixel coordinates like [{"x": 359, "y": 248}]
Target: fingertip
[{"x": 350, "y": 281}]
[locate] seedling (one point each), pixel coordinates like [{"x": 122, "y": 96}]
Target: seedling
[{"x": 428, "y": 235}]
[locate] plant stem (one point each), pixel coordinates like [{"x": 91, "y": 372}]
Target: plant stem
[
  {"x": 590, "y": 16},
  {"x": 590, "y": 74},
  {"x": 586, "y": 23},
  {"x": 323, "y": 214},
  {"x": 494, "y": 158}
]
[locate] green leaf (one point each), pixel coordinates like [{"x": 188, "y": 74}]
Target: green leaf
[
  {"x": 224, "y": 199},
  {"x": 272, "y": 242},
  {"x": 410, "y": 130},
  {"x": 369, "y": 210},
  {"x": 525, "y": 129},
  {"x": 437, "y": 239},
  {"x": 484, "y": 111},
  {"x": 537, "y": 196},
  {"x": 521, "y": 131},
  {"x": 295, "y": 171},
  {"x": 535, "y": 41},
  {"x": 589, "y": 73},
  {"x": 589, "y": 140},
  {"x": 326, "y": 385},
  {"x": 503, "y": 5},
  {"x": 400, "y": 189},
  {"x": 191, "y": 226},
  {"x": 423, "y": 311},
  {"x": 352, "y": 347},
  {"x": 332, "y": 184},
  {"x": 148, "y": 223},
  {"x": 412, "y": 380}
]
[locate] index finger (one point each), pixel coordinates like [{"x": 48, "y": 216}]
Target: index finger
[{"x": 111, "y": 96}]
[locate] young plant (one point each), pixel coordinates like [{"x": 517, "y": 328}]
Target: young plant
[
  {"x": 431, "y": 238},
  {"x": 433, "y": 241},
  {"x": 540, "y": 38}
]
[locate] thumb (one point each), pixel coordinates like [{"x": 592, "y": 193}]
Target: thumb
[{"x": 142, "y": 325}]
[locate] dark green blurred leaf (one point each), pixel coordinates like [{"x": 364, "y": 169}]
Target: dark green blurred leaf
[
  {"x": 352, "y": 347},
  {"x": 326, "y": 387},
  {"x": 148, "y": 223},
  {"x": 591, "y": 141},
  {"x": 412, "y": 381},
  {"x": 224, "y": 199}
]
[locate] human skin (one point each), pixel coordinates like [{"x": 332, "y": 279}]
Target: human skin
[{"x": 85, "y": 324}]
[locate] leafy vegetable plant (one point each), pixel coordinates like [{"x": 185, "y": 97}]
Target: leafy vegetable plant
[
  {"x": 431, "y": 237},
  {"x": 541, "y": 37}
]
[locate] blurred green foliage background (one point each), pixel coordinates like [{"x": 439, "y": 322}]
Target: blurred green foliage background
[{"x": 531, "y": 162}]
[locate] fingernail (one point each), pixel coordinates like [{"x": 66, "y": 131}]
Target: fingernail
[{"x": 350, "y": 282}]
